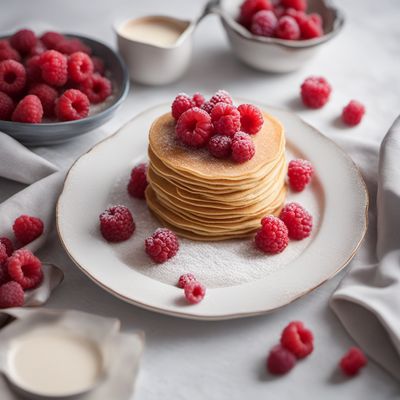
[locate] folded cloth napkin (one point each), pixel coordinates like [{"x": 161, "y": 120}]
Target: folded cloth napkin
[{"x": 367, "y": 301}]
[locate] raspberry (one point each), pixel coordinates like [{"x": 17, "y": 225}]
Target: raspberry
[
  {"x": 352, "y": 114},
  {"x": 194, "y": 292},
  {"x": 54, "y": 68},
  {"x": 181, "y": 103},
  {"x": 300, "y": 173},
  {"x": 221, "y": 96},
  {"x": 300, "y": 5},
  {"x": 280, "y": 361},
  {"x": 23, "y": 40},
  {"x": 298, "y": 221},
  {"x": 186, "y": 279},
  {"x": 243, "y": 148},
  {"x": 27, "y": 229},
  {"x": 138, "y": 181},
  {"x": 4, "y": 277},
  {"x": 11, "y": 295},
  {"x": 51, "y": 39},
  {"x": 7, "y": 52},
  {"x": 98, "y": 65},
  {"x": 249, "y": 8},
  {"x": 8, "y": 245},
  {"x": 6, "y": 106},
  {"x": 97, "y": 88},
  {"x": 69, "y": 46},
  {"x": 251, "y": 119},
  {"x": 80, "y": 67},
  {"x": 12, "y": 76},
  {"x": 198, "y": 99},
  {"x": 226, "y": 119},
  {"x": 298, "y": 339},
  {"x": 287, "y": 28},
  {"x": 315, "y": 91},
  {"x": 38, "y": 49},
  {"x": 28, "y": 110},
  {"x": 24, "y": 268},
  {"x": 33, "y": 71},
  {"x": 316, "y": 18},
  {"x": 207, "y": 107},
  {"x": 117, "y": 224},
  {"x": 3, "y": 254},
  {"x": 264, "y": 23},
  {"x": 72, "y": 105},
  {"x": 194, "y": 127},
  {"x": 299, "y": 16},
  {"x": 353, "y": 361},
  {"x": 162, "y": 245},
  {"x": 279, "y": 11},
  {"x": 272, "y": 237},
  {"x": 220, "y": 146},
  {"x": 47, "y": 96},
  {"x": 311, "y": 28}
]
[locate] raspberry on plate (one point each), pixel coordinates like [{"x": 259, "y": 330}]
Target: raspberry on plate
[
  {"x": 33, "y": 71},
  {"x": 12, "y": 76},
  {"x": 23, "y": 40},
  {"x": 69, "y": 46},
  {"x": 6, "y": 106},
  {"x": 8, "y": 245},
  {"x": 298, "y": 339},
  {"x": 181, "y": 103},
  {"x": 162, "y": 245},
  {"x": 138, "y": 181},
  {"x": 51, "y": 39},
  {"x": 47, "y": 96},
  {"x": 116, "y": 224},
  {"x": 38, "y": 49},
  {"x": 3, "y": 254},
  {"x": 25, "y": 268},
  {"x": 300, "y": 173},
  {"x": 299, "y": 16},
  {"x": 272, "y": 237},
  {"x": 251, "y": 7},
  {"x": 226, "y": 119},
  {"x": 251, "y": 119},
  {"x": 300, "y": 5},
  {"x": 315, "y": 91},
  {"x": 298, "y": 221},
  {"x": 219, "y": 146},
  {"x": 198, "y": 99},
  {"x": 80, "y": 67},
  {"x": 185, "y": 279},
  {"x": 194, "y": 292},
  {"x": 4, "y": 277},
  {"x": 264, "y": 23},
  {"x": 11, "y": 295},
  {"x": 54, "y": 68},
  {"x": 311, "y": 28},
  {"x": 27, "y": 229},
  {"x": 98, "y": 65},
  {"x": 353, "y": 113},
  {"x": 7, "y": 52},
  {"x": 280, "y": 361},
  {"x": 97, "y": 88},
  {"x": 194, "y": 127},
  {"x": 243, "y": 148},
  {"x": 28, "y": 110},
  {"x": 72, "y": 105},
  {"x": 353, "y": 361},
  {"x": 287, "y": 28},
  {"x": 221, "y": 96}
]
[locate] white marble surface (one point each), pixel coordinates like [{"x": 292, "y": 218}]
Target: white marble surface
[{"x": 224, "y": 360}]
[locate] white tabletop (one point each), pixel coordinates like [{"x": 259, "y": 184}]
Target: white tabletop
[{"x": 225, "y": 360}]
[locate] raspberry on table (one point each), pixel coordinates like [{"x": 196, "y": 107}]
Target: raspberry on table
[
  {"x": 162, "y": 245},
  {"x": 264, "y": 23},
  {"x": 117, "y": 224},
  {"x": 194, "y": 127},
  {"x": 23, "y": 40},
  {"x": 28, "y": 110},
  {"x": 47, "y": 96},
  {"x": 207, "y": 107},
  {"x": 72, "y": 105},
  {"x": 54, "y": 68},
  {"x": 3, "y": 254},
  {"x": 298, "y": 339},
  {"x": 6, "y": 106},
  {"x": 8, "y": 245},
  {"x": 138, "y": 181},
  {"x": 220, "y": 146},
  {"x": 298, "y": 221},
  {"x": 27, "y": 229},
  {"x": 98, "y": 65},
  {"x": 353, "y": 113},
  {"x": 33, "y": 71},
  {"x": 300, "y": 173},
  {"x": 251, "y": 119},
  {"x": 194, "y": 292},
  {"x": 185, "y": 279},
  {"x": 243, "y": 148},
  {"x": 280, "y": 360},
  {"x": 11, "y": 295},
  {"x": 51, "y": 39},
  {"x": 272, "y": 237},
  {"x": 299, "y": 5},
  {"x": 287, "y": 28},
  {"x": 311, "y": 28},
  {"x": 97, "y": 88},
  {"x": 251, "y": 7},
  {"x": 315, "y": 91},
  {"x": 12, "y": 76},
  {"x": 181, "y": 103},
  {"x": 221, "y": 96},
  {"x": 7, "y": 52},
  {"x": 226, "y": 119},
  {"x": 353, "y": 361},
  {"x": 69, "y": 46},
  {"x": 80, "y": 67},
  {"x": 198, "y": 99},
  {"x": 25, "y": 268}
]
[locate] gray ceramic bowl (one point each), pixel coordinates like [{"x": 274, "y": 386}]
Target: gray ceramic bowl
[{"x": 58, "y": 132}]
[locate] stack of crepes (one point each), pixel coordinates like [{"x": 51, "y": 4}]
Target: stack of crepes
[{"x": 204, "y": 198}]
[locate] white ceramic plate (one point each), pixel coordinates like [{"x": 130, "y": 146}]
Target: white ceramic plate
[{"x": 240, "y": 281}]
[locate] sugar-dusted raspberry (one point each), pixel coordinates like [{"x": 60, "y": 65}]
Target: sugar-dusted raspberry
[
  {"x": 7, "y": 52},
  {"x": 300, "y": 173},
  {"x": 4, "y": 277},
  {"x": 6, "y": 106},
  {"x": 23, "y": 40},
  {"x": 300, "y": 5},
  {"x": 272, "y": 237},
  {"x": 98, "y": 65},
  {"x": 162, "y": 245},
  {"x": 185, "y": 279},
  {"x": 207, "y": 107},
  {"x": 353, "y": 113},
  {"x": 198, "y": 99},
  {"x": 298, "y": 339},
  {"x": 3, "y": 255},
  {"x": 28, "y": 110},
  {"x": 280, "y": 360},
  {"x": 72, "y": 105},
  {"x": 11, "y": 295},
  {"x": 353, "y": 361},
  {"x": 226, "y": 119},
  {"x": 221, "y": 96},
  {"x": 47, "y": 96},
  {"x": 181, "y": 103},
  {"x": 33, "y": 71},
  {"x": 194, "y": 292},
  {"x": 138, "y": 181},
  {"x": 315, "y": 91},
  {"x": 311, "y": 28},
  {"x": 80, "y": 66},
  {"x": 251, "y": 7},
  {"x": 25, "y": 268},
  {"x": 51, "y": 39},
  {"x": 116, "y": 224},
  {"x": 287, "y": 28},
  {"x": 220, "y": 146},
  {"x": 298, "y": 16},
  {"x": 243, "y": 148},
  {"x": 194, "y": 127},
  {"x": 279, "y": 10},
  {"x": 251, "y": 118},
  {"x": 12, "y": 76},
  {"x": 8, "y": 245},
  {"x": 298, "y": 221},
  {"x": 264, "y": 23},
  {"x": 97, "y": 88},
  {"x": 54, "y": 68},
  {"x": 27, "y": 229},
  {"x": 69, "y": 46}
]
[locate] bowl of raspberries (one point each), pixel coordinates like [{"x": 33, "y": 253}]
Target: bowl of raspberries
[
  {"x": 278, "y": 35},
  {"x": 54, "y": 86}
]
